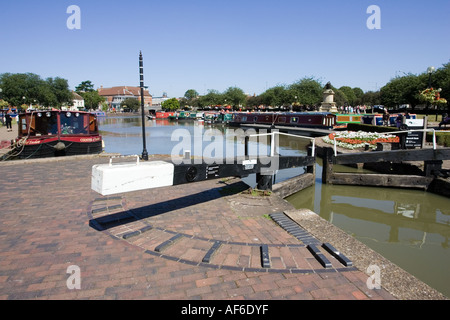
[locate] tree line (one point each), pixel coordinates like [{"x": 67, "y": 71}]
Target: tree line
[
  {"x": 304, "y": 94},
  {"x": 24, "y": 89},
  {"x": 406, "y": 89},
  {"x": 307, "y": 93}
]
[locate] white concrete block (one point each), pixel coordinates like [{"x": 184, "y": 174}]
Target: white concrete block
[{"x": 108, "y": 179}]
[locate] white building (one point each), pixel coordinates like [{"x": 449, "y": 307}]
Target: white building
[
  {"x": 157, "y": 101},
  {"x": 78, "y": 102}
]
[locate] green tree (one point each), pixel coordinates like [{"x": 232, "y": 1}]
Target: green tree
[
  {"x": 277, "y": 96},
  {"x": 130, "y": 103},
  {"x": 60, "y": 88},
  {"x": 85, "y": 86},
  {"x": 254, "y": 102},
  {"x": 235, "y": 97},
  {"x": 20, "y": 88},
  {"x": 29, "y": 88},
  {"x": 359, "y": 94},
  {"x": 340, "y": 98},
  {"x": 212, "y": 98},
  {"x": 191, "y": 94},
  {"x": 307, "y": 90},
  {"x": 442, "y": 79},
  {"x": 371, "y": 98},
  {"x": 170, "y": 104},
  {"x": 92, "y": 100},
  {"x": 402, "y": 90},
  {"x": 349, "y": 95}
]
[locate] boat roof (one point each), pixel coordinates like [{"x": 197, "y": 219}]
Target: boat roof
[
  {"x": 287, "y": 113},
  {"x": 55, "y": 111}
]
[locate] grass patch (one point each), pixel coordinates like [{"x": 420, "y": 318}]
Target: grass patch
[{"x": 257, "y": 193}]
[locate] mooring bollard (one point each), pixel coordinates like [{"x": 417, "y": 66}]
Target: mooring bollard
[{"x": 264, "y": 181}]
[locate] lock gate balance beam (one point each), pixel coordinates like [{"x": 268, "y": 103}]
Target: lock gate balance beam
[{"x": 109, "y": 179}]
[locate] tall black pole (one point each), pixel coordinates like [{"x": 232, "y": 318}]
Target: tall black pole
[{"x": 141, "y": 72}]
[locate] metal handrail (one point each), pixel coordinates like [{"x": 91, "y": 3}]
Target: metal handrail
[{"x": 272, "y": 145}]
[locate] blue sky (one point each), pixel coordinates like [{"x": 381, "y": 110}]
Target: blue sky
[{"x": 211, "y": 44}]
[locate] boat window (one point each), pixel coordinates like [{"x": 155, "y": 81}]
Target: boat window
[
  {"x": 244, "y": 118},
  {"x": 282, "y": 119},
  {"x": 39, "y": 124},
  {"x": 255, "y": 119},
  {"x": 294, "y": 119},
  {"x": 72, "y": 123}
]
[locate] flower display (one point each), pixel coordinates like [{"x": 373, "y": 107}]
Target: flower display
[
  {"x": 432, "y": 96},
  {"x": 354, "y": 140}
]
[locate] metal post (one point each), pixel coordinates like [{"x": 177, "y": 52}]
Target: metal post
[
  {"x": 141, "y": 72},
  {"x": 434, "y": 140}
]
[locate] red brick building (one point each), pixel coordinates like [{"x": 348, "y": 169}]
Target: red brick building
[{"x": 115, "y": 95}]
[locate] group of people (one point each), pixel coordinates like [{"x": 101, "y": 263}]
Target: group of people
[
  {"x": 398, "y": 119},
  {"x": 357, "y": 110}
]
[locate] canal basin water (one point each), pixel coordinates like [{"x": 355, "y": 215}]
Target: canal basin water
[{"x": 409, "y": 227}]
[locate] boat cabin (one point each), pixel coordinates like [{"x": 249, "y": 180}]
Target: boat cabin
[{"x": 57, "y": 133}]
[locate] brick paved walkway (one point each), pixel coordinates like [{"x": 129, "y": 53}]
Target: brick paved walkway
[{"x": 51, "y": 220}]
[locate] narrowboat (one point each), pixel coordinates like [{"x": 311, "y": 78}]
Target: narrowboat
[
  {"x": 163, "y": 115},
  {"x": 180, "y": 116},
  {"x": 377, "y": 119},
  {"x": 348, "y": 118},
  {"x": 324, "y": 120},
  {"x": 218, "y": 117},
  {"x": 56, "y": 133},
  {"x": 186, "y": 115}
]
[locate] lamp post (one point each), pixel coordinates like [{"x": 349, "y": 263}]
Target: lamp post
[
  {"x": 141, "y": 72},
  {"x": 430, "y": 71}
]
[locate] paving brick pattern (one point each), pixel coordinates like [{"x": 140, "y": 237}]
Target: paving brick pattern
[{"x": 51, "y": 220}]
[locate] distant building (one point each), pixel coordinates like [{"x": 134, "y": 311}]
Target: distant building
[
  {"x": 78, "y": 101},
  {"x": 115, "y": 95},
  {"x": 157, "y": 101}
]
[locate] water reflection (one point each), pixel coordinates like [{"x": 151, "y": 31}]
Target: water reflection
[{"x": 124, "y": 135}]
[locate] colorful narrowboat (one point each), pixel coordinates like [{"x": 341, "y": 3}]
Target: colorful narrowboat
[
  {"x": 163, "y": 115},
  {"x": 57, "y": 133}
]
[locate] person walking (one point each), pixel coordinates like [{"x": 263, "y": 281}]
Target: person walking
[
  {"x": 386, "y": 117},
  {"x": 8, "y": 119},
  {"x": 399, "y": 121}
]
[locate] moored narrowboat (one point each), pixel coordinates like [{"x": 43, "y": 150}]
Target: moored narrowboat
[
  {"x": 163, "y": 115},
  {"x": 55, "y": 133},
  {"x": 181, "y": 116},
  {"x": 298, "y": 119},
  {"x": 377, "y": 119}
]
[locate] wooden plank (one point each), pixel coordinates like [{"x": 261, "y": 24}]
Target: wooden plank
[
  {"x": 294, "y": 185},
  {"x": 393, "y": 156},
  {"x": 382, "y": 180}
]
